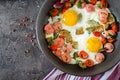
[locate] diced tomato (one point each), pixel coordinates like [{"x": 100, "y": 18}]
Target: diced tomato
[
  {"x": 53, "y": 47},
  {"x": 104, "y": 3},
  {"x": 97, "y": 33},
  {"x": 89, "y": 63},
  {"x": 83, "y": 55},
  {"x": 93, "y": 2},
  {"x": 54, "y": 12},
  {"x": 111, "y": 40},
  {"x": 68, "y": 4},
  {"x": 61, "y": 36},
  {"x": 115, "y": 27},
  {"x": 64, "y": 9},
  {"x": 66, "y": 58},
  {"x": 103, "y": 40}
]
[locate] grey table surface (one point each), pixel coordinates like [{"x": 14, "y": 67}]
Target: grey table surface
[{"x": 20, "y": 59}]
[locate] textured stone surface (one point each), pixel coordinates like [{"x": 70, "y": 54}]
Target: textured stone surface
[{"x": 15, "y": 64}]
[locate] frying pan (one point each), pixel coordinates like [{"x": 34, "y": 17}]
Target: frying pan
[{"x": 110, "y": 61}]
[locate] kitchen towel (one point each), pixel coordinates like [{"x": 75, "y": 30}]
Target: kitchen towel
[{"x": 112, "y": 74}]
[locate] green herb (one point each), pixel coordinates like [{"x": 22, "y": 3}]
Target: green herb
[
  {"x": 60, "y": 9},
  {"x": 78, "y": 61},
  {"x": 112, "y": 36},
  {"x": 72, "y": 1},
  {"x": 75, "y": 55},
  {"x": 50, "y": 42},
  {"x": 79, "y": 4},
  {"x": 56, "y": 35},
  {"x": 59, "y": 19},
  {"x": 99, "y": 5}
]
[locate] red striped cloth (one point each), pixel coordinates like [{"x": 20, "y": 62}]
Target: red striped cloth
[{"x": 112, "y": 74}]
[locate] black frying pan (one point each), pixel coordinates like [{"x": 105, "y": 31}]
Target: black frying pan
[{"x": 111, "y": 59}]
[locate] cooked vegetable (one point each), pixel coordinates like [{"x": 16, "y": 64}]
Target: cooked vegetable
[
  {"x": 111, "y": 18},
  {"x": 93, "y": 23},
  {"x": 115, "y": 27},
  {"x": 99, "y": 5},
  {"x": 75, "y": 55},
  {"x": 67, "y": 35},
  {"x": 80, "y": 16},
  {"x": 93, "y": 1},
  {"x": 79, "y": 31},
  {"x": 68, "y": 4},
  {"x": 104, "y": 3},
  {"x": 56, "y": 35},
  {"x": 79, "y": 4},
  {"x": 53, "y": 47},
  {"x": 97, "y": 33},
  {"x": 103, "y": 40},
  {"x": 54, "y": 12},
  {"x": 111, "y": 40},
  {"x": 75, "y": 44},
  {"x": 83, "y": 55},
  {"x": 64, "y": 9},
  {"x": 89, "y": 63},
  {"x": 57, "y": 5},
  {"x": 82, "y": 65}
]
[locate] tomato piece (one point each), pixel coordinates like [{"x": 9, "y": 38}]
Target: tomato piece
[
  {"x": 103, "y": 40},
  {"x": 89, "y": 63},
  {"x": 66, "y": 58},
  {"x": 111, "y": 40},
  {"x": 64, "y": 9},
  {"x": 83, "y": 55},
  {"x": 104, "y": 3},
  {"x": 54, "y": 12},
  {"x": 53, "y": 47},
  {"x": 115, "y": 27},
  {"x": 97, "y": 33},
  {"x": 68, "y": 4},
  {"x": 93, "y": 2}
]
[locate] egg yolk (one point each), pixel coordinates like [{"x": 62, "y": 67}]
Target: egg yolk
[
  {"x": 70, "y": 18},
  {"x": 94, "y": 44}
]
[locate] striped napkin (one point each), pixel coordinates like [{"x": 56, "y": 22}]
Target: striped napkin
[{"x": 112, "y": 74}]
